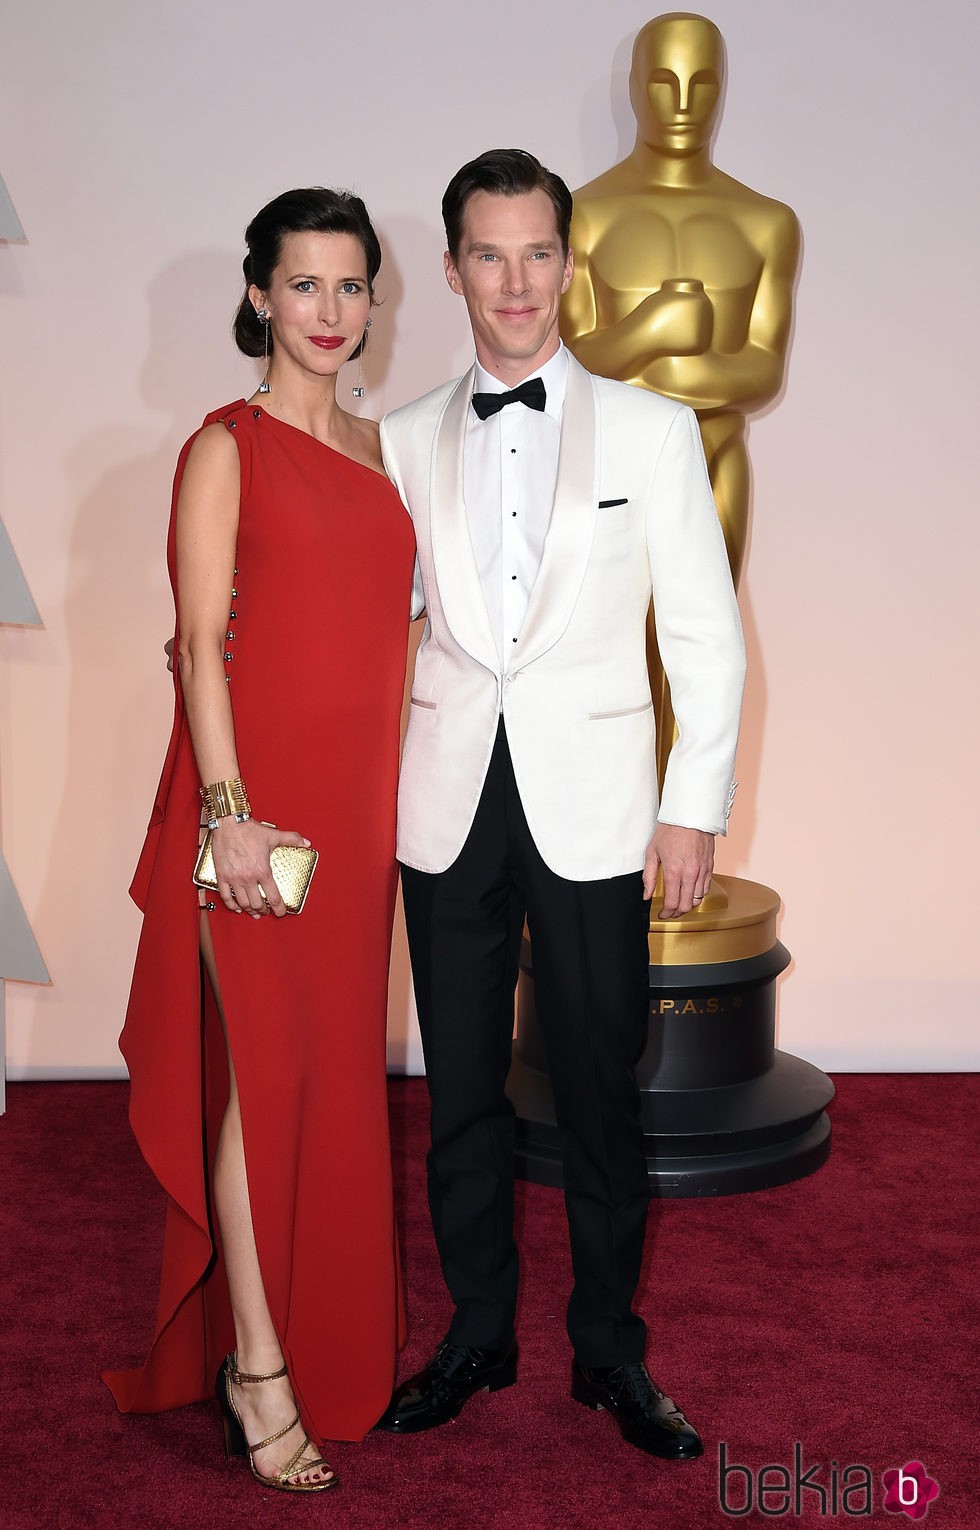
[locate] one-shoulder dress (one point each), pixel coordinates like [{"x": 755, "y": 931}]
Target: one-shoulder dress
[{"x": 315, "y": 659}]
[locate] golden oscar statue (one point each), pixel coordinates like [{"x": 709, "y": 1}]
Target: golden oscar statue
[
  {"x": 683, "y": 276},
  {"x": 683, "y": 282}
]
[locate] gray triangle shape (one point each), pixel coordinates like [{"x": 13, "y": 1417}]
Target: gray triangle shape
[
  {"x": 10, "y": 227},
  {"x": 16, "y": 600},
  {"x": 19, "y": 955}
]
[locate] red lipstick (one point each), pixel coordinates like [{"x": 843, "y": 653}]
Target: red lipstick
[{"x": 327, "y": 342}]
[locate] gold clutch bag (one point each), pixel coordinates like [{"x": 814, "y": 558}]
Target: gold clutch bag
[{"x": 292, "y": 871}]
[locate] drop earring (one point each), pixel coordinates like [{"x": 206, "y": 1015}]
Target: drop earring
[
  {"x": 262, "y": 314},
  {"x": 358, "y": 388}
]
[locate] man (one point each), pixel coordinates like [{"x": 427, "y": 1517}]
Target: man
[{"x": 548, "y": 506}]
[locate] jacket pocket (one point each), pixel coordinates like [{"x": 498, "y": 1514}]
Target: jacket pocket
[
  {"x": 623, "y": 712},
  {"x": 430, "y": 706},
  {"x": 607, "y": 504}
]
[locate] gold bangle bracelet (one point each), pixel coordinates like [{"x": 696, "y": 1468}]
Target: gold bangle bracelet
[{"x": 223, "y": 798}]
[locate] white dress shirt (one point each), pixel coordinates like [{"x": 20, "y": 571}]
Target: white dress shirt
[{"x": 510, "y": 468}]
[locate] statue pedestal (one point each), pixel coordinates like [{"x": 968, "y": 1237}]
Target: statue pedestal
[{"x": 723, "y": 1110}]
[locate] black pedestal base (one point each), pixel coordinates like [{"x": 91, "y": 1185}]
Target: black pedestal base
[
  {"x": 727, "y": 1140},
  {"x": 722, "y": 1110}
]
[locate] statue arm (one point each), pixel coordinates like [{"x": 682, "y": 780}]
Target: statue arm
[
  {"x": 663, "y": 324},
  {"x": 749, "y": 377}
]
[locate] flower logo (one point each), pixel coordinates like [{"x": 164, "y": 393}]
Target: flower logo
[{"x": 909, "y": 1490}]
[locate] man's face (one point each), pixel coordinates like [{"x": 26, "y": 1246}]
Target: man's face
[
  {"x": 675, "y": 84},
  {"x": 511, "y": 271}
]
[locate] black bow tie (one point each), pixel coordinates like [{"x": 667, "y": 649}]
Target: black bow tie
[{"x": 530, "y": 393}]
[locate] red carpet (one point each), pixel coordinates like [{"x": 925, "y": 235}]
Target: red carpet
[{"x": 838, "y": 1312}]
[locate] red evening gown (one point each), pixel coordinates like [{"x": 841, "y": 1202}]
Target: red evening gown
[{"x": 315, "y": 658}]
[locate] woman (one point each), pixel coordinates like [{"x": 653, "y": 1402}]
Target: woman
[{"x": 291, "y": 559}]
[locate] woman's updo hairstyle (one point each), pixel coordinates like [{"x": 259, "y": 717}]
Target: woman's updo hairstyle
[{"x": 312, "y": 210}]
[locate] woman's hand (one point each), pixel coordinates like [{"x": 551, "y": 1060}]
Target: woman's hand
[{"x": 241, "y": 862}]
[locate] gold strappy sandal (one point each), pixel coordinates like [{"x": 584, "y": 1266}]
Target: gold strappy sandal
[{"x": 237, "y": 1445}]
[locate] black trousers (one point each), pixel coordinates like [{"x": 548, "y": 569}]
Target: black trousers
[{"x": 592, "y": 996}]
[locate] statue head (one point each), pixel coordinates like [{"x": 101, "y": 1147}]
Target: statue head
[{"x": 675, "y": 82}]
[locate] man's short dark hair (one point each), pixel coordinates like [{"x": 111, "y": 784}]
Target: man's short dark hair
[{"x": 505, "y": 173}]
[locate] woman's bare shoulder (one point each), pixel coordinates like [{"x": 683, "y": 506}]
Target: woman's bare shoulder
[
  {"x": 213, "y": 453},
  {"x": 370, "y": 429},
  {"x": 367, "y": 434}
]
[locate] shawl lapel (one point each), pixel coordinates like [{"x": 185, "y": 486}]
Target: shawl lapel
[{"x": 457, "y": 576}]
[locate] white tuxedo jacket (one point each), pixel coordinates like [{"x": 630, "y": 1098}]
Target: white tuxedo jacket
[{"x": 633, "y": 517}]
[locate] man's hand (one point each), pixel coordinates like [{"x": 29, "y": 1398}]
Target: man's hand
[{"x": 686, "y": 857}]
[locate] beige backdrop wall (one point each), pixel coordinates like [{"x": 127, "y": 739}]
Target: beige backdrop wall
[{"x": 137, "y": 140}]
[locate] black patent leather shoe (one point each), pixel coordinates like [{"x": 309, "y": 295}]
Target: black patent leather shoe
[
  {"x": 437, "y": 1394},
  {"x": 646, "y": 1418}
]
